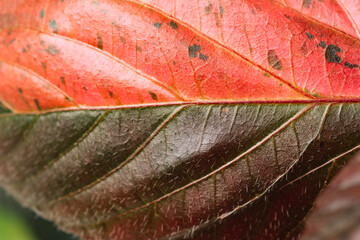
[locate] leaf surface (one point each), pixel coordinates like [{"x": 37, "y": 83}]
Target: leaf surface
[
  {"x": 336, "y": 213},
  {"x": 177, "y": 119}
]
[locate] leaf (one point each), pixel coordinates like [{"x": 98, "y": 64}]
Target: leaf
[
  {"x": 177, "y": 120},
  {"x": 337, "y": 214}
]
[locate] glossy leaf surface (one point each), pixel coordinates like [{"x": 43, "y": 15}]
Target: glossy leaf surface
[
  {"x": 177, "y": 119},
  {"x": 337, "y": 211}
]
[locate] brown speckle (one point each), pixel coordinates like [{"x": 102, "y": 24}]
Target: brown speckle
[
  {"x": 43, "y": 65},
  {"x": 24, "y": 50},
  {"x": 266, "y": 74},
  {"x": 42, "y": 13},
  {"x": 153, "y": 95},
  {"x": 20, "y": 90},
  {"x": 111, "y": 94},
  {"x": 287, "y": 16},
  {"x": 221, "y": 10},
  {"x": 309, "y": 35},
  {"x": 116, "y": 25},
  {"x": 273, "y": 60},
  {"x": 122, "y": 39},
  {"x": 331, "y": 54},
  {"x": 157, "y": 25},
  {"x": 173, "y": 25},
  {"x": 203, "y": 57},
  {"x": 12, "y": 41},
  {"x": 322, "y": 44},
  {"x": 217, "y": 19},
  {"x": 307, "y": 3},
  {"x": 62, "y": 78},
  {"x": 193, "y": 50},
  {"x": 208, "y": 8},
  {"x": 53, "y": 25},
  {"x": 138, "y": 49},
  {"x": 53, "y": 50},
  {"x": 351, "y": 66},
  {"x": 99, "y": 41}
]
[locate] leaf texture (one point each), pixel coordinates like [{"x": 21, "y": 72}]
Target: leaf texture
[
  {"x": 310, "y": 60},
  {"x": 168, "y": 169},
  {"x": 177, "y": 119},
  {"x": 336, "y": 214}
]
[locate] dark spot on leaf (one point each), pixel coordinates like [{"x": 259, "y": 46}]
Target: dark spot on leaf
[
  {"x": 322, "y": 44},
  {"x": 273, "y": 60},
  {"x": 12, "y": 41},
  {"x": 221, "y": 10},
  {"x": 122, "y": 39},
  {"x": 193, "y": 50},
  {"x": 287, "y": 16},
  {"x": 20, "y": 90},
  {"x": 266, "y": 74},
  {"x": 351, "y": 66},
  {"x": 99, "y": 41},
  {"x": 253, "y": 11},
  {"x": 217, "y": 19},
  {"x": 307, "y": 3},
  {"x": 174, "y": 62},
  {"x": 53, "y": 25},
  {"x": 42, "y": 13},
  {"x": 203, "y": 57},
  {"x": 67, "y": 99},
  {"x": 157, "y": 25},
  {"x": 116, "y": 25},
  {"x": 111, "y": 94},
  {"x": 321, "y": 35},
  {"x": 208, "y": 8},
  {"x": 37, "y": 104},
  {"x": 85, "y": 88},
  {"x": 43, "y": 65},
  {"x": 42, "y": 43},
  {"x": 173, "y": 25},
  {"x": 28, "y": 46},
  {"x": 24, "y": 50},
  {"x": 9, "y": 31},
  {"x": 53, "y": 50},
  {"x": 62, "y": 80},
  {"x": 138, "y": 49},
  {"x": 153, "y": 95},
  {"x": 309, "y": 35},
  {"x": 331, "y": 54}
]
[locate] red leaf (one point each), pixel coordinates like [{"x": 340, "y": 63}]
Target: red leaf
[{"x": 131, "y": 52}]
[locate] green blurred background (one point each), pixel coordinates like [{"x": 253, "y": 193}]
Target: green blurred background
[{"x": 18, "y": 223}]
